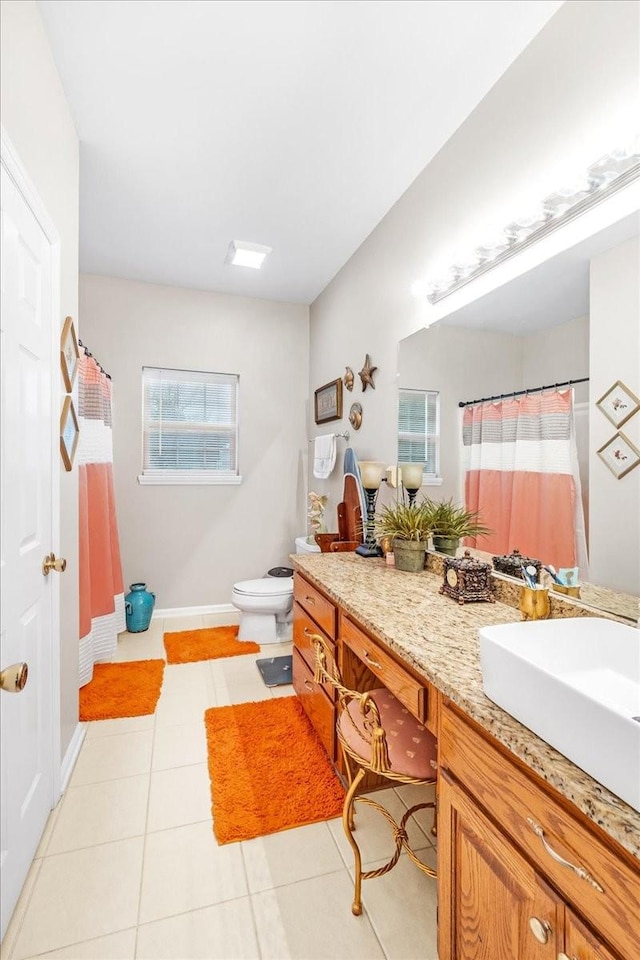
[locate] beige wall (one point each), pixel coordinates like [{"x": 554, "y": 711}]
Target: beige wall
[
  {"x": 192, "y": 543},
  {"x": 36, "y": 117},
  {"x": 562, "y": 89},
  {"x": 615, "y": 355}
]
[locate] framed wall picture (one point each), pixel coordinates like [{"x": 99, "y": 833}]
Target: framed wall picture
[
  {"x": 620, "y": 455},
  {"x": 618, "y": 404},
  {"x": 328, "y": 402},
  {"x": 69, "y": 354},
  {"x": 69, "y": 433}
]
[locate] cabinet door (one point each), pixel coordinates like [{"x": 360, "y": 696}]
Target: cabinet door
[
  {"x": 492, "y": 903},
  {"x": 581, "y": 943}
]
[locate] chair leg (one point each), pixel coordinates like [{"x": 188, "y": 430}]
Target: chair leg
[
  {"x": 347, "y": 823},
  {"x": 352, "y": 808}
]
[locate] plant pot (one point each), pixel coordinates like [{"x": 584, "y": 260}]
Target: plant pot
[
  {"x": 448, "y": 545},
  {"x": 409, "y": 555}
]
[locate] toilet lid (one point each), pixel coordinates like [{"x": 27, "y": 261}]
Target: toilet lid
[{"x": 266, "y": 587}]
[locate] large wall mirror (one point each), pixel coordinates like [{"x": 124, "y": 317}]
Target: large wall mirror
[{"x": 574, "y": 317}]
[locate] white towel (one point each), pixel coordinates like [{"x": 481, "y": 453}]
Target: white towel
[{"x": 324, "y": 456}]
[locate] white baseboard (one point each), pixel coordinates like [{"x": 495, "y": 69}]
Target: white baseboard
[
  {"x": 71, "y": 755},
  {"x": 194, "y": 611}
]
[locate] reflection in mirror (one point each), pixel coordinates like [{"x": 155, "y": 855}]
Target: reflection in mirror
[{"x": 539, "y": 330}]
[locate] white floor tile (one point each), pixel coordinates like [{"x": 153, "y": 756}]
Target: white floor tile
[
  {"x": 15, "y": 923},
  {"x": 289, "y": 856},
  {"x": 99, "y": 813},
  {"x": 179, "y": 745},
  {"x": 116, "y": 946},
  {"x": 140, "y": 646},
  {"x": 231, "y": 618},
  {"x": 177, "y": 624},
  {"x": 411, "y": 794},
  {"x": 187, "y": 680},
  {"x": 109, "y": 758},
  {"x": 179, "y": 797},
  {"x": 48, "y": 830},
  {"x": 222, "y": 932},
  {"x": 107, "y": 728},
  {"x": 82, "y": 895},
  {"x": 181, "y": 709},
  {"x": 313, "y": 919},
  {"x": 286, "y": 690},
  {"x": 185, "y": 869}
]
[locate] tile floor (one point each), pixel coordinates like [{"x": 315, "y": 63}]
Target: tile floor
[{"x": 128, "y": 866}]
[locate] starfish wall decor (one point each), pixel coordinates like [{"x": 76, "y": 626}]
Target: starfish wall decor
[{"x": 366, "y": 374}]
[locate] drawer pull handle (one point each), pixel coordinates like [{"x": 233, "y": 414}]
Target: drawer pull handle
[
  {"x": 540, "y": 929},
  {"x": 374, "y": 663},
  {"x": 308, "y": 684},
  {"x": 580, "y": 871},
  {"x": 310, "y": 600}
]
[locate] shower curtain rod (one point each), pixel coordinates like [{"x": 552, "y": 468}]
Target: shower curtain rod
[
  {"x": 519, "y": 393},
  {"x": 88, "y": 353}
]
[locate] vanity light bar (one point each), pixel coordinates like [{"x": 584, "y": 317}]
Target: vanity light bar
[{"x": 601, "y": 180}]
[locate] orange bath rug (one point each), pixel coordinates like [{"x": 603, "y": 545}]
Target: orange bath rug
[
  {"x": 129, "y": 689},
  {"x": 268, "y": 770},
  {"x": 211, "y": 643}
]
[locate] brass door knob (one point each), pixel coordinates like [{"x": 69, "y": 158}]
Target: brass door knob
[
  {"x": 540, "y": 929},
  {"x": 13, "y": 679},
  {"x": 51, "y": 562}
]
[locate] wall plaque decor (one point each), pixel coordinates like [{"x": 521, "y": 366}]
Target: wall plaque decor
[
  {"x": 618, "y": 404},
  {"x": 69, "y": 354},
  {"x": 620, "y": 455},
  {"x": 328, "y": 402},
  {"x": 69, "y": 433}
]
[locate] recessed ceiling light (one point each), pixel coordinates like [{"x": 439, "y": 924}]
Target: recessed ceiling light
[{"x": 241, "y": 254}]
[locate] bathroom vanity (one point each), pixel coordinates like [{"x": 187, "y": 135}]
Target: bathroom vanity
[{"x": 535, "y": 858}]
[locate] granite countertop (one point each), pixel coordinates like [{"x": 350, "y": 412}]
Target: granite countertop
[{"x": 439, "y": 638}]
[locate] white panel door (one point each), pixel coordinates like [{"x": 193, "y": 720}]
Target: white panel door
[{"x": 26, "y": 628}]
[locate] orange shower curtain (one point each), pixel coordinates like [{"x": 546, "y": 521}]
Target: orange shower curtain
[
  {"x": 521, "y": 475},
  {"x": 101, "y": 587}
]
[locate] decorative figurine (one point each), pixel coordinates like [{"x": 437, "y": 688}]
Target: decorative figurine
[
  {"x": 467, "y": 579},
  {"x": 366, "y": 374},
  {"x": 348, "y": 378},
  {"x": 355, "y": 416}
]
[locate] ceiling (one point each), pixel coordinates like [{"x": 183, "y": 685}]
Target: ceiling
[
  {"x": 549, "y": 294},
  {"x": 291, "y": 123}
]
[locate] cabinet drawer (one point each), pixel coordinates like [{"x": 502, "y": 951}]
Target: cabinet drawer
[
  {"x": 523, "y": 809},
  {"x": 320, "y": 710},
  {"x": 395, "y": 678},
  {"x": 321, "y": 610},
  {"x": 303, "y": 629}
]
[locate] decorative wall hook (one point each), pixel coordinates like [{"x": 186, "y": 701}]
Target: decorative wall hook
[{"x": 366, "y": 374}]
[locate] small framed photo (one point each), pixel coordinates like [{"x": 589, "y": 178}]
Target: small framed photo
[
  {"x": 69, "y": 433},
  {"x": 618, "y": 404},
  {"x": 328, "y": 402},
  {"x": 69, "y": 354},
  {"x": 620, "y": 455}
]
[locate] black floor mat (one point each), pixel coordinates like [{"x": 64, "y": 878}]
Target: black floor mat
[{"x": 276, "y": 671}]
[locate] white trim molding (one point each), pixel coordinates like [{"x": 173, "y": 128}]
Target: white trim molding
[
  {"x": 212, "y": 608},
  {"x": 71, "y": 755}
]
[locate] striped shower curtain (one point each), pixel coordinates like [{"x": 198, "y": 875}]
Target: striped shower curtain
[
  {"x": 521, "y": 474},
  {"x": 101, "y": 587}
]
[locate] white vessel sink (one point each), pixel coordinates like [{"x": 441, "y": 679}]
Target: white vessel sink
[{"x": 576, "y": 684}]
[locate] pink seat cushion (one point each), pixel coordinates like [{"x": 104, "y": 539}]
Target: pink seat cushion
[{"x": 411, "y": 746}]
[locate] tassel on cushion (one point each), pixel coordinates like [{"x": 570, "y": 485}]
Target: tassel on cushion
[{"x": 379, "y": 752}]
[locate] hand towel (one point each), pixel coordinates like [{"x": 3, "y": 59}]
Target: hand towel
[
  {"x": 351, "y": 467},
  {"x": 324, "y": 456}
]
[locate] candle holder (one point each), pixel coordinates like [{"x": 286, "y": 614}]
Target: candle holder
[{"x": 371, "y": 476}]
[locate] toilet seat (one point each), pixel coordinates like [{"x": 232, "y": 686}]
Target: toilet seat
[{"x": 266, "y": 587}]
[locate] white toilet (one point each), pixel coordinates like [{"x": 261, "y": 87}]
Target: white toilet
[{"x": 266, "y": 605}]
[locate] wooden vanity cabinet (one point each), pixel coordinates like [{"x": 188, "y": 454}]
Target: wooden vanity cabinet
[{"x": 502, "y": 889}]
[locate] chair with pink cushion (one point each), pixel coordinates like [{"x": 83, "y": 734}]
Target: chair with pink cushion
[{"x": 377, "y": 734}]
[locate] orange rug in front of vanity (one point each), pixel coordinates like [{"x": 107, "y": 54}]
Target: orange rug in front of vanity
[
  {"x": 211, "y": 643},
  {"x": 268, "y": 770},
  {"x": 128, "y": 689}
]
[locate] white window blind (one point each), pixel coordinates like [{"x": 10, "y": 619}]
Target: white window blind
[
  {"x": 189, "y": 426},
  {"x": 419, "y": 429}
]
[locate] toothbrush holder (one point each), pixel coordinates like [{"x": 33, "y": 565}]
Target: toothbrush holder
[{"x": 534, "y": 603}]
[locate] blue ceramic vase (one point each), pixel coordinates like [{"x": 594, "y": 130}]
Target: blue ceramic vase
[{"x": 138, "y": 606}]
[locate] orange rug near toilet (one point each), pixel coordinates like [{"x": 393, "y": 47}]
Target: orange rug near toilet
[
  {"x": 268, "y": 770},
  {"x": 129, "y": 689},
  {"x": 188, "y": 646}
]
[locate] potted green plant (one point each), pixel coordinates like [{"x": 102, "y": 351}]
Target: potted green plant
[
  {"x": 409, "y": 529},
  {"x": 450, "y": 522}
]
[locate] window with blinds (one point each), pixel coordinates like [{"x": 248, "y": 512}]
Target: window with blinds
[
  {"x": 419, "y": 429},
  {"x": 189, "y": 426}
]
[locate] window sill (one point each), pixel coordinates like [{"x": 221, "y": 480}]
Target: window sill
[
  {"x": 432, "y": 482},
  {"x": 145, "y": 480}
]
